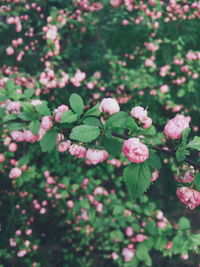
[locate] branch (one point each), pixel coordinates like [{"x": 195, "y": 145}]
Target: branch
[{"x": 160, "y": 149}]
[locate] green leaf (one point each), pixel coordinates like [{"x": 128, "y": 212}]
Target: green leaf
[
  {"x": 185, "y": 135},
  {"x": 195, "y": 143},
  {"x": 10, "y": 117},
  {"x": 92, "y": 121},
  {"x": 43, "y": 109},
  {"x": 34, "y": 127},
  {"x": 16, "y": 126},
  {"x": 154, "y": 161},
  {"x": 143, "y": 254},
  {"x": 137, "y": 178},
  {"x": 177, "y": 243},
  {"x": 2, "y": 112},
  {"x": 118, "y": 119},
  {"x": 112, "y": 145},
  {"x": 25, "y": 116},
  {"x": 28, "y": 107},
  {"x": 94, "y": 111},
  {"x": 10, "y": 86},
  {"x": 48, "y": 141},
  {"x": 85, "y": 133},
  {"x": 181, "y": 154},
  {"x": 68, "y": 117},
  {"x": 197, "y": 181},
  {"x": 117, "y": 234},
  {"x": 184, "y": 223},
  {"x": 160, "y": 243},
  {"x": 24, "y": 160},
  {"x": 3, "y": 98},
  {"x": 28, "y": 93},
  {"x": 76, "y": 103}
]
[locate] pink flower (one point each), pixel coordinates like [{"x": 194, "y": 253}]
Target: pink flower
[
  {"x": 141, "y": 237},
  {"x": 15, "y": 173},
  {"x": 164, "y": 88},
  {"x": 147, "y": 122},
  {"x": 109, "y": 105},
  {"x": 114, "y": 255},
  {"x": 70, "y": 204},
  {"x": 30, "y": 137},
  {"x": 135, "y": 151},
  {"x": 12, "y": 147},
  {"x": 95, "y": 156},
  {"x": 21, "y": 253},
  {"x": 59, "y": 112},
  {"x": 128, "y": 254},
  {"x": 155, "y": 176},
  {"x": 77, "y": 151},
  {"x": 129, "y": 231},
  {"x": 10, "y": 51},
  {"x": 47, "y": 122},
  {"x": 115, "y": 3},
  {"x": 169, "y": 245},
  {"x": 64, "y": 146},
  {"x": 2, "y": 158},
  {"x": 174, "y": 128},
  {"x": 187, "y": 178},
  {"x": 189, "y": 197},
  {"x": 138, "y": 112},
  {"x": 17, "y": 136}
]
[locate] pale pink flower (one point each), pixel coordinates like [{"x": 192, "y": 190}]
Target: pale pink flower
[
  {"x": 135, "y": 151},
  {"x": 18, "y": 136},
  {"x": 70, "y": 204},
  {"x": 109, "y": 105},
  {"x": 114, "y": 255},
  {"x": 47, "y": 122},
  {"x": 128, "y": 254},
  {"x": 2, "y": 158},
  {"x": 77, "y": 151},
  {"x": 155, "y": 176},
  {"x": 187, "y": 178},
  {"x": 189, "y": 197},
  {"x": 10, "y": 51},
  {"x": 21, "y": 253},
  {"x": 30, "y": 137},
  {"x": 129, "y": 231},
  {"x": 139, "y": 112},
  {"x": 141, "y": 237},
  {"x": 174, "y": 128},
  {"x": 15, "y": 173},
  {"x": 95, "y": 156},
  {"x": 12, "y": 147},
  {"x": 64, "y": 146},
  {"x": 59, "y": 110}
]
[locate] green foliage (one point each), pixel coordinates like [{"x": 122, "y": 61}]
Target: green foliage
[
  {"x": 85, "y": 133},
  {"x": 48, "y": 141}
]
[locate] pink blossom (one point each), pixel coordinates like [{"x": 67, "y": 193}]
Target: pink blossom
[
  {"x": 169, "y": 245},
  {"x": 189, "y": 197},
  {"x": 77, "y": 151},
  {"x": 147, "y": 122},
  {"x": 21, "y": 253},
  {"x": 2, "y": 158},
  {"x": 59, "y": 110},
  {"x": 174, "y": 128},
  {"x": 129, "y": 231},
  {"x": 109, "y": 105},
  {"x": 15, "y": 173},
  {"x": 155, "y": 176},
  {"x": 187, "y": 178},
  {"x": 47, "y": 122},
  {"x": 18, "y": 136},
  {"x": 36, "y": 102},
  {"x": 70, "y": 204},
  {"x": 12, "y": 147},
  {"x": 64, "y": 146},
  {"x": 115, "y": 3},
  {"x": 138, "y": 112},
  {"x": 128, "y": 254},
  {"x": 10, "y": 51},
  {"x": 95, "y": 156},
  {"x": 135, "y": 151},
  {"x": 114, "y": 255},
  {"x": 164, "y": 88},
  {"x": 141, "y": 237},
  {"x": 30, "y": 137},
  {"x": 12, "y": 242}
]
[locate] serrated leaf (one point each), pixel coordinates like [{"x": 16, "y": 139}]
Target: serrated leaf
[
  {"x": 10, "y": 86},
  {"x": 195, "y": 143},
  {"x": 24, "y": 160},
  {"x": 92, "y": 121},
  {"x": 112, "y": 145},
  {"x": 94, "y": 111},
  {"x": 15, "y": 126},
  {"x": 28, "y": 93},
  {"x": 118, "y": 119},
  {"x": 48, "y": 141},
  {"x": 43, "y": 109},
  {"x": 184, "y": 223},
  {"x": 76, "y": 103},
  {"x": 181, "y": 154},
  {"x": 185, "y": 134},
  {"x": 10, "y": 117},
  {"x": 197, "y": 181},
  {"x": 68, "y": 117},
  {"x": 25, "y": 116},
  {"x": 34, "y": 127},
  {"x": 137, "y": 178},
  {"x": 143, "y": 254},
  {"x": 154, "y": 161},
  {"x": 85, "y": 133}
]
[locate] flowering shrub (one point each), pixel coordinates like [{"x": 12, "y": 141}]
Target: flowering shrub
[{"x": 93, "y": 97}]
